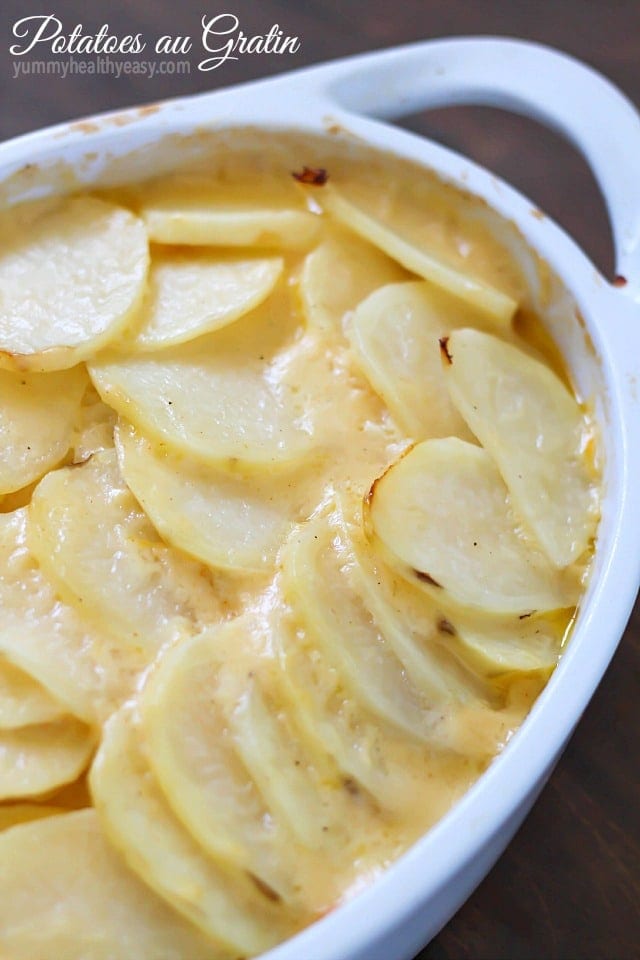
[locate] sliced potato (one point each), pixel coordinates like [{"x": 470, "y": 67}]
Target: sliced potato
[
  {"x": 221, "y": 398},
  {"x": 378, "y": 760},
  {"x": 196, "y": 211},
  {"x": 274, "y": 762},
  {"x": 197, "y": 766},
  {"x": 93, "y": 430},
  {"x": 13, "y": 814},
  {"x": 384, "y": 670},
  {"x": 79, "y": 664},
  {"x": 534, "y": 429},
  {"x": 37, "y": 416},
  {"x": 338, "y": 274},
  {"x": 224, "y": 904},
  {"x": 443, "y": 511},
  {"x": 225, "y": 520},
  {"x": 333, "y": 720},
  {"x": 301, "y": 785},
  {"x": 395, "y": 334},
  {"x": 72, "y": 275},
  {"x": 476, "y": 293},
  {"x": 410, "y": 624},
  {"x": 65, "y": 893},
  {"x": 93, "y": 541},
  {"x": 496, "y": 647},
  {"x": 23, "y": 700},
  {"x": 39, "y": 758},
  {"x": 193, "y": 293}
]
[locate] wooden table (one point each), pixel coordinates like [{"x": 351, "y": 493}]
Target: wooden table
[{"x": 568, "y": 887}]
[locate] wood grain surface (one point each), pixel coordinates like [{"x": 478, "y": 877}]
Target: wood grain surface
[{"x": 567, "y": 887}]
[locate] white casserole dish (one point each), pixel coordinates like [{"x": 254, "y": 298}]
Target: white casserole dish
[{"x": 601, "y": 343}]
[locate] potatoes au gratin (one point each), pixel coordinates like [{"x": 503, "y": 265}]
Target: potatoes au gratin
[{"x": 297, "y": 506}]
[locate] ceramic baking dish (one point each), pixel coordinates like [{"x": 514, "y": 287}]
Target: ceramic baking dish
[{"x": 596, "y": 324}]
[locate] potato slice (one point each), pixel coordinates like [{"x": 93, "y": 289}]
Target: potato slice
[
  {"x": 72, "y": 276},
  {"x": 534, "y": 429},
  {"x": 443, "y": 511},
  {"x": 39, "y": 758},
  {"x": 497, "y": 647},
  {"x": 198, "y": 768},
  {"x": 338, "y": 274},
  {"x": 419, "y": 632},
  {"x": 98, "y": 547},
  {"x": 378, "y": 761},
  {"x": 412, "y": 627},
  {"x": 65, "y": 893},
  {"x": 395, "y": 335},
  {"x": 196, "y": 211},
  {"x": 93, "y": 430},
  {"x": 23, "y": 700},
  {"x": 327, "y": 587},
  {"x": 333, "y": 720},
  {"x": 193, "y": 293},
  {"x": 478, "y": 294},
  {"x": 37, "y": 416},
  {"x": 301, "y": 785},
  {"x": 225, "y": 905},
  {"x": 80, "y": 664},
  {"x": 225, "y": 520},
  {"x": 272, "y": 753},
  {"x": 221, "y": 398},
  {"x": 13, "y": 814}
]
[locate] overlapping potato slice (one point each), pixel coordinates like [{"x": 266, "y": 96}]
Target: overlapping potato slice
[
  {"x": 39, "y": 758},
  {"x": 227, "y": 905},
  {"x": 99, "y": 548},
  {"x": 221, "y": 398},
  {"x": 418, "y": 631},
  {"x": 534, "y": 429},
  {"x": 65, "y": 893},
  {"x": 443, "y": 511},
  {"x": 193, "y": 293},
  {"x": 200, "y": 212},
  {"x": 493, "y": 647},
  {"x": 78, "y": 663},
  {"x": 13, "y": 814},
  {"x": 302, "y": 786},
  {"x": 72, "y": 274},
  {"x": 338, "y": 274},
  {"x": 93, "y": 430},
  {"x": 37, "y": 416},
  {"x": 376, "y": 658},
  {"x": 193, "y": 756},
  {"x": 225, "y": 520},
  {"x": 23, "y": 700},
  {"x": 379, "y": 762},
  {"x": 331, "y": 717},
  {"x": 478, "y": 294},
  {"x": 395, "y": 334}
]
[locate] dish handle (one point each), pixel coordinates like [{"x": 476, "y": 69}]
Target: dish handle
[{"x": 522, "y": 77}]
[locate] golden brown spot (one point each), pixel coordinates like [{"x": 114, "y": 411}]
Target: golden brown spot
[
  {"x": 427, "y": 578},
  {"x": 538, "y": 214},
  {"x": 311, "y": 176},
  {"x": 264, "y": 888},
  {"x": 444, "y": 350},
  {"x": 351, "y": 786},
  {"x": 445, "y": 626}
]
